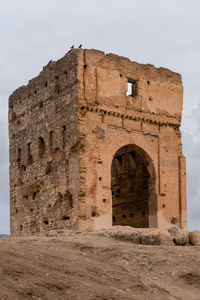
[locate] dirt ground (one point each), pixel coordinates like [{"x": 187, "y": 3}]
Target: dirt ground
[{"x": 89, "y": 266}]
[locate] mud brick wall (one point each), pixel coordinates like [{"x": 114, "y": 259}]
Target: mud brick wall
[
  {"x": 44, "y": 170},
  {"x": 95, "y": 142}
]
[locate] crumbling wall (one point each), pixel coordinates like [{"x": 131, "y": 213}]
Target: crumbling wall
[
  {"x": 43, "y": 135},
  {"x": 66, "y": 128}
]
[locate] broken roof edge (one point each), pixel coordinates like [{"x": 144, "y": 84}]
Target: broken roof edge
[{"x": 164, "y": 74}]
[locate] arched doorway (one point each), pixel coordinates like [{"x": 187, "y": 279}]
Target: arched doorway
[{"x": 131, "y": 185}]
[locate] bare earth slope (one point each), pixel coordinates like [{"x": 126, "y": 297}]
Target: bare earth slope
[{"x": 89, "y": 266}]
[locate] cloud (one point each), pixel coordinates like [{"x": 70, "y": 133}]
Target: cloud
[{"x": 164, "y": 33}]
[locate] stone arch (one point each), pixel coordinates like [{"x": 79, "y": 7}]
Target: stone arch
[{"x": 133, "y": 186}]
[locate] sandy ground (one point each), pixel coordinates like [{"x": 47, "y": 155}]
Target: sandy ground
[{"x": 88, "y": 266}]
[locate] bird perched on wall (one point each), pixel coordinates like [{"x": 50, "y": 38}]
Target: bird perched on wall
[
  {"x": 80, "y": 46},
  {"x": 72, "y": 47}
]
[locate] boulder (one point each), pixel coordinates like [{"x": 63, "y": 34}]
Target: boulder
[
  {"x": 179, "y": 237},
  {"x": 125, "y": 233},
  {"x": 155, "y": 237},
  {"x": 194, "y": 237},
  {"x": 145, "y": 236}
]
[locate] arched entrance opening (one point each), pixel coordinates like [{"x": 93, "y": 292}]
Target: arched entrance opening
[{"x": 131, "y": 185}]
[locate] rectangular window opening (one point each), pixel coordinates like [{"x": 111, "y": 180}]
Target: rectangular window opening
[{"x": 132, "y": 88}]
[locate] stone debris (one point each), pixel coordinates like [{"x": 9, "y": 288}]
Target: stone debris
[
  {"x": 148, "y": 236},
  {"x": 194, "y": 237},
  {"x": 179, "y": 236}
]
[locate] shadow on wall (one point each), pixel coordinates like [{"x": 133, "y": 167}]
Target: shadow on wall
[{"x": 130, "y": 184}]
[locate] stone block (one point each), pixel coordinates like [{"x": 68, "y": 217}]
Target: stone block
[{"x": 194, "y": 237}]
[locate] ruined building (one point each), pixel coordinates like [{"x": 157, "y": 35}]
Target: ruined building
[{"x": 95, "y": 141}]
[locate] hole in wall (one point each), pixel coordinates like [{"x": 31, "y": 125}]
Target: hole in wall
[
  {"x": 104, "y": 200},
  {"x": 46, "y": 222},
  {"x": 95, "y": 213},
  {"x": 29, "y": 156},
  {"x": 48, "y": 168},
  {"x": 63, "y": 135},
  {"x": 84, "y": 66},
  {"x": 148, "y": 82},
  {"x": 132, "y": 88},
  {"x": 41, "y": 147},
  {"x": 65, "y": 218},
  {"x": 100, "y": 178},
  {"x": 23, "y": 167},
  {"x": 174, "y": 220},
  {"x": 50, "y": 139}
]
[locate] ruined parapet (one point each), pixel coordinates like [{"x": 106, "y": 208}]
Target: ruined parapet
[{"x": 95, "y": 142}]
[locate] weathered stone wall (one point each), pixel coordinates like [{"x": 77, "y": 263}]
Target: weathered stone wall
[
  {"x": 44, "y": 166},
  {"x": 149, "y": 120},
  {"x": 66, "y": 127}
]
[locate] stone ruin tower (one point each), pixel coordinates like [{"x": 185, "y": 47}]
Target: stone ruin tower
[{"x": 95, "y": 141}]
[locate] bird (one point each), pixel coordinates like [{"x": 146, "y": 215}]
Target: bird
[
  {"x": 72, "y": 47},
  {"x": 80, "y": 46}
]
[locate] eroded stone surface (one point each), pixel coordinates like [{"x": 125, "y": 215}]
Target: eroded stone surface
[
  {"x": 95, "y": 142},
  {"x": 139, "y": 235},
  {"x": 179, "y": 237},
  {"x": 194, "y": 237}
]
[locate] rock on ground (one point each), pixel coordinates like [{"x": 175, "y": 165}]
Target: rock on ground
[{"x": 194, "y": 237}]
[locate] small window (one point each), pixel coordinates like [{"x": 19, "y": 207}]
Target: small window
[{"x": 132, "y": 88}]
